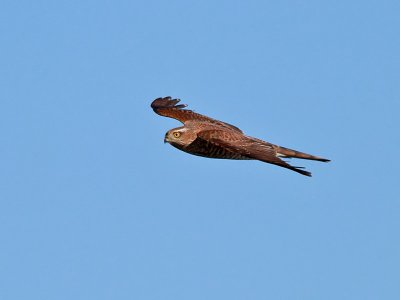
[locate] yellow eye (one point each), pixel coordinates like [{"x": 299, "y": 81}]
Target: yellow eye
[{"x": 177, "y": 134}]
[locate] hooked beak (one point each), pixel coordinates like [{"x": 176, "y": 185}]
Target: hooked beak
[{"x": 166, "y": 139}]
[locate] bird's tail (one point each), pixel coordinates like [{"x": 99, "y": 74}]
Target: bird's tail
[{"x": 285, "y": 152}]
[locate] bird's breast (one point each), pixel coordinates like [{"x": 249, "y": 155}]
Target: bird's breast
[{"x": 205, "y": 149}]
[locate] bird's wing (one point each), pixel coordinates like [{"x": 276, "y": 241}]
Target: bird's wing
[
  {"x": 246, "y": 146},
  {"x": 169, "y": 107}
]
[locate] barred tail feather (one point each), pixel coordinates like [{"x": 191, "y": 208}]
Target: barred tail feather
[{"x": 285, "y": 152}]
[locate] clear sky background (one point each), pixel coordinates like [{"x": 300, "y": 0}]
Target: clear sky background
[{"x": 93, "y": 205}]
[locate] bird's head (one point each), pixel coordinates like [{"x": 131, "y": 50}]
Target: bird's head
[{"x": 179, "y": 136}]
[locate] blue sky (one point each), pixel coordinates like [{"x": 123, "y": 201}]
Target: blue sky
[{"x": 93, "y": 205}]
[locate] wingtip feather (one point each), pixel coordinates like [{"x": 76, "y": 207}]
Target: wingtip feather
[
  {"x": 166, "y": 102},
  {"x": 303, "y": 172}
]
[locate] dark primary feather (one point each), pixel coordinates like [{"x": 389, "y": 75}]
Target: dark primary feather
[
  {"x": 166, "y": 102},
  {"x": 168, "y": 107}
]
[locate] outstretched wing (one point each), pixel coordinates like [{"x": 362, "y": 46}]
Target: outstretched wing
[
  {"x": 247, "y": 147},
  {"x": 169, "y": 107}
]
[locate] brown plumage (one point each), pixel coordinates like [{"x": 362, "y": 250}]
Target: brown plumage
[{"x": 207, "y": 137}]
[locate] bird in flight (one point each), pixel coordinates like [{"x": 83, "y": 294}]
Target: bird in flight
[{"x": 207, "y": 137}]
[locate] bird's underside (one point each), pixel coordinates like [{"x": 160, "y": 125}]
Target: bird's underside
[{"x": 207, "y": 137}]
